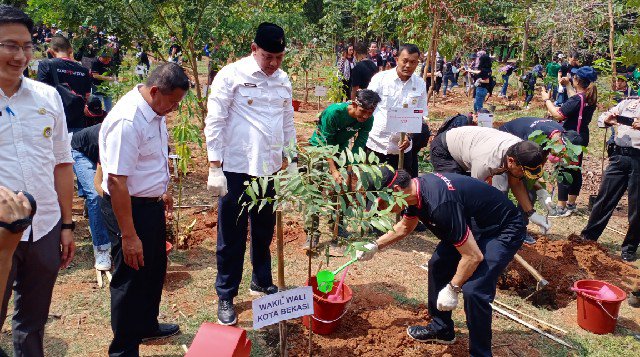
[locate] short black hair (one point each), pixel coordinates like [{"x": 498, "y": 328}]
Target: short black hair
[
  {"x": 168, "y": 77},
  {"x": 360, "y": 48},
  {"x": 410, "y": 48},
  {"x": 367, "y": 98},
  {"x": 484, "y": 62},
  {"x": 60, "y": 43},
  {"x": 399, "y": 177},
  {"x": 13, "y": 15}
]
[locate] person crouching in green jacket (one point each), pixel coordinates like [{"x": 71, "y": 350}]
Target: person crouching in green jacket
[{"x": 338, "y": 124}]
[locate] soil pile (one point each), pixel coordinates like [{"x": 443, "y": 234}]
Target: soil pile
[{"x": 562, "y": 262}]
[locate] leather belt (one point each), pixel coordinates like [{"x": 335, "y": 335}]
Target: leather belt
[{"x": 626, "y": 151}]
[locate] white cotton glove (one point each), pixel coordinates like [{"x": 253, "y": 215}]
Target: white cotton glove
[
  {"x": 544, "y": 198},
  {"x": 217, "y": 182},
  {"x": 292, "y": 168},
  {"x": 362, "y": 255},
  {"x": 541, "y": 222},
  {"x": 447, "y": 299}
]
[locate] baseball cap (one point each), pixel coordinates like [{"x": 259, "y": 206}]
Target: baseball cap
[
  {"x": 585, "y": 72},
  {"x": 94, "y": 106},
  {"x": 560, "y": 56},
  {"x": 531, "y": 157},
  {"x": 270, "y": 37}
]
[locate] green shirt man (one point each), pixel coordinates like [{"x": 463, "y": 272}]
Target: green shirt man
[
  {"x": 552, "y": 73},
  {"x": 342, "y": 121}
]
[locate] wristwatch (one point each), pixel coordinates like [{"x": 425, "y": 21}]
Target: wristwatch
[
  {"x": 20, "y": 225},
  {"x": 455, "y": 288},
  {"x": 71, "y": 226},
  {"x": 530, "y": 213},
  {"x": 17, "y": 226}
]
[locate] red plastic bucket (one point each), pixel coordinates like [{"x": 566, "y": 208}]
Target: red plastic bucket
[
  {"x": 327, "y": 314},
  {"x": 296, "y": 105},
  {"x": 596, "y": 315},
  {"x": 168, "y": 247}
]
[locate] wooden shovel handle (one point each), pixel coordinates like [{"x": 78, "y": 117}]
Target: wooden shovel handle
[{"x": 531, "y": 270}]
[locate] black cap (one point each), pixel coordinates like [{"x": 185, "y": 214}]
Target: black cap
[
  {"x": 94, "y": 106},
  {"x": 531, "y": 157},
  {"x": 270, "y": 37}
]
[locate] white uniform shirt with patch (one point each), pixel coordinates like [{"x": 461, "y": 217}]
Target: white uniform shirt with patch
[
  {"x": 394, "y": 94},
  {"x": 33, "y": 140},
  {"x": 480, "y": 150},
  {"x": 250, "y": 118},
  {"x": 626, "y": 136},
  {"x": 133, "y": 142}
]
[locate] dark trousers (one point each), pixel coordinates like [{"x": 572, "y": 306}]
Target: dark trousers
[
  {"x": 233, "y": 221},
  {"x": 135, "y": 294},
  {"x": 480, "y": 290},
  {"x": 565, "y": 188},
  {"x": 622, "y": 174},
  {"x": 441, "y": 159},
  {"x": 33, "y": 274}
]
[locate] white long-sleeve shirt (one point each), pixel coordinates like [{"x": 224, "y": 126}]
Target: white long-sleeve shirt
[
  {"x": 33, "y": 140},
  {"x": 394, "y": 94},
  {"x": 250, "y": 118}
]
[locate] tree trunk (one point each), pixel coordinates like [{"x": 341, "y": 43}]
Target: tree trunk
[
  {"x": 431, "y": 55},
  {"x": 525, "y": 40},
  {"x": 614, "y": 71}
]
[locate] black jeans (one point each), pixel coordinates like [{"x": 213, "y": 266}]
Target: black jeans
[
  {"x": 135, "y": 294},
  {"x": 622, "y": 174},
  {"x": 498, "y": 248},
  {"x": 232, "y": 237},
  {"x": 441, "y": 159},
  {"x": 573, "y": 188}
]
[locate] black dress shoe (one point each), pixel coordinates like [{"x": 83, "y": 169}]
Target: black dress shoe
[
  {"x": 256, "y": 290},
  {"x": 427, "y": 334},
  {"x": 163, "y": 331},
  {"x": 629, "y": 256},
  {"x": 226, "y": 313}
]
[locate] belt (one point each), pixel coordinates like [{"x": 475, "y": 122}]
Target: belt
[
  {"x": 626, "y": 151},
  {"x": 138, "y": 200}
]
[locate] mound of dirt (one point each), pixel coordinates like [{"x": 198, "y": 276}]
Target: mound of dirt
[
  {"x": 562, "y": 262},
  {"x": 375, "y": 325}
]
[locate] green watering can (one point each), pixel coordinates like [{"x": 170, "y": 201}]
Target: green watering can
[{"x": 326, "y": 278}]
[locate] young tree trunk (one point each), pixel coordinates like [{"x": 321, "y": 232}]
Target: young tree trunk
[
  {"x": 525, "y": 41},
  {"x": 614, "y": 71},
  {"x": 431, "y": 58}
]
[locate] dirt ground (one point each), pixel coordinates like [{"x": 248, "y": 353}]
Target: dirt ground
[{"x": 389, "y": 291}]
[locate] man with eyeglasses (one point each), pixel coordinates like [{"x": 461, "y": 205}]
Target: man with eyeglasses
[
  {"x": 249, "y": 123},
  {"x": 498, "y": 158},
  {"x": 35, "y": 156}
]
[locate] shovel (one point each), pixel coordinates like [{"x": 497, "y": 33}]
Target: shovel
[
  {"x": 604, "y": 293},
  {"x": 326, "y": 278}
]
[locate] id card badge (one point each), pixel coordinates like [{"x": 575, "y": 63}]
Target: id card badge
[{"x": 404, "y": 120}]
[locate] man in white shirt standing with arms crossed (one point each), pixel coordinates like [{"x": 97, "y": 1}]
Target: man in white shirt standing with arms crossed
[
  {"x": 250, "y": 121},
  {"x": 398, "y": 88},
  {"x": 35, "y": 156}
]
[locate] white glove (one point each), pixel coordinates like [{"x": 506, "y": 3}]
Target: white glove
[
  {"x": 217, "y": 182},
  {"x": 544, "y": 198},
  {"x": 372, "y": 248},
  {"x": 447, "y": 299},
  {"x": 292, "y": 168},
  {"x": 541, "y": 222}
]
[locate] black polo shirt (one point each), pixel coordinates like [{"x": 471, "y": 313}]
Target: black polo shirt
[
  {"x": 362, "y": 73},
  {"x": 448, "y": 202},
  {"x": 523, "y": 127},
  {"x": 86, "y": 142},
  {"x": 570, "y": 111},
  {"x": 97, "y": 67}
]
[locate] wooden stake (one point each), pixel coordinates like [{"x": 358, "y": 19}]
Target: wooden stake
[
  {"x": 529, "y": 316},
  {"x": 526, "y": 324},
  {"x": 282, "y": 325}
]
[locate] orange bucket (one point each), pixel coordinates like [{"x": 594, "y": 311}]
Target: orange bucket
[
  {"x": 327, "y": 314},
  {"x": 594, "y": 314}
]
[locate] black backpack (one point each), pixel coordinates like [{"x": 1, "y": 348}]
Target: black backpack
[{"x": 72, "y": 102}]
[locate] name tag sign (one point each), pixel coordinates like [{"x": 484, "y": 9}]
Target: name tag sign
[
  {"x": 404, "y": 120},
  {"x": 281, "y": 306},
  {"x": 141, "y": 70},
  {"x": 34, "y": 65},
  {"x": 321, "y": 91},
  {"x": 485, "y": 120}
]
